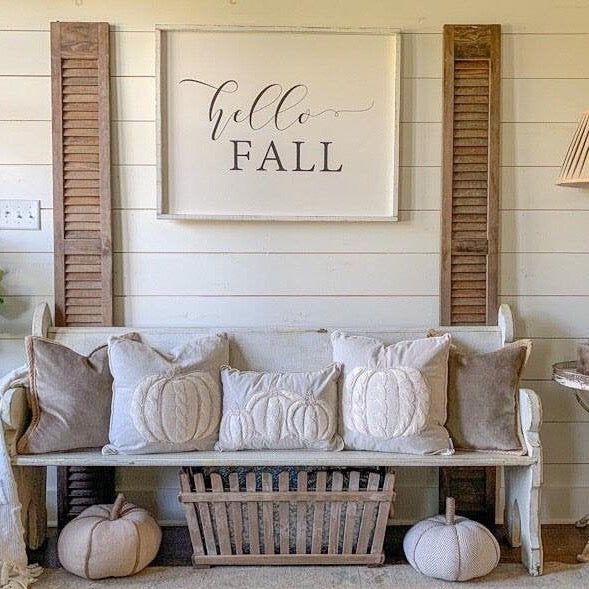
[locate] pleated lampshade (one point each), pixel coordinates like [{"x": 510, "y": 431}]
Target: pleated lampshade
[{"x": 575, "y": 168}]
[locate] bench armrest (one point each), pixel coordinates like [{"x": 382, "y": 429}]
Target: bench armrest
[
  {"x": 530, "y": 417},
  {"x": 15, "y": 415}
]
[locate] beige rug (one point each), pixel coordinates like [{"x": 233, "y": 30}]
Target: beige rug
[{"x": 389, "y": 577}]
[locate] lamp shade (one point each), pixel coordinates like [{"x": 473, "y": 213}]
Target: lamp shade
[{"x": 575, "y": 168}]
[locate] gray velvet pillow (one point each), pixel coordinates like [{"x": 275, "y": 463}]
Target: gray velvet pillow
[
  {"x": 70, "y": 396},
  {"x": 482, "y": 398}
]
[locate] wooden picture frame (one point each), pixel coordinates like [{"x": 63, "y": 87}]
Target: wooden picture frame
[{"x": 270, "y": 196}]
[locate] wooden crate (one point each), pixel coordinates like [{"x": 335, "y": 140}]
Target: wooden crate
[{"x": 287, "y": 516}]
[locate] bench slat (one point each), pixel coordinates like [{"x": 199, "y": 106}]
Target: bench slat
[{"x": 275, "y": 458}]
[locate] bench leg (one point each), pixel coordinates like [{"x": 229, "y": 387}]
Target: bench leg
[
  {"x": 522, "y": 513},
  {"x": 31, "y": 482}
]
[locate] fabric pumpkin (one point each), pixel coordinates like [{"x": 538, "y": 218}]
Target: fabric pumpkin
[
  {"x": 268, "y": 410},
  {"x": 310, "y": 419},
  {"x": 451, "y": 548},
  {"x": 109, "y": 541},
  {"x": 237, "y": 426},
  {"x": 387, "y": 403},
  {"x": 176, "y": 408}
]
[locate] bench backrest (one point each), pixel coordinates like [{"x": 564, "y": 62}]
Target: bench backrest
[{"x": 269, "y": 348}]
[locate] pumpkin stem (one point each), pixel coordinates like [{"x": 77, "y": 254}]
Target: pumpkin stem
[
  {"x": 115, "y": 511},
  {"x": 450, "y": 510}
]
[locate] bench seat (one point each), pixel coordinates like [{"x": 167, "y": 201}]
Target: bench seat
[{"x": 346, "y": 458}]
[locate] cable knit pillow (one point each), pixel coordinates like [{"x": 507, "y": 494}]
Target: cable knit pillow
[
  {"x": 393, "y": 397},
  {"x": 279, "y": 411},
  {"x": 165, "y": 402}
]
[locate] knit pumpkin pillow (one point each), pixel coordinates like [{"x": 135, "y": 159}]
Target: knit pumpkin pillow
[
  {"x": 165, "y": 401},
  {"x": 393, "y": 396},
  {"x": 279, "y": 410}
]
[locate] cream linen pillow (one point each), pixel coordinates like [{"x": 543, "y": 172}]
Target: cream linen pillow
[
  {"x": 165, "y": 401},
  {"x": 393, "y": 397},
  {"x": 280, "y": 410}
]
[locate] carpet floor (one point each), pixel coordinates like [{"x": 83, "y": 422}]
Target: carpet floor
[{"x": 556, "y": 575}]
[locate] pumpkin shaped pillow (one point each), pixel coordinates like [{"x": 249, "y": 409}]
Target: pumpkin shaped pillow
[
  {"x": 279, "y": 410},
  {"x": 393, "y": 397},
  {"x": 165, "y": 401}
]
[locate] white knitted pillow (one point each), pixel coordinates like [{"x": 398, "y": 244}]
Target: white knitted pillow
[
  {"x": 393, "y": 396},
  {"x": 165, "y": 401}
]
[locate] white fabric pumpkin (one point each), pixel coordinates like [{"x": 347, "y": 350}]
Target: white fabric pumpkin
[
  {"x": 451, "y": 548},
  {"x": 386, "y": 403},
  {"x": 269, "y": 410},
  {"x": 109, "y": 541},
  {"x": 176, "y": 408},
  {"x": 310, "y": 419},
  {"x": 237, "y": 426}
]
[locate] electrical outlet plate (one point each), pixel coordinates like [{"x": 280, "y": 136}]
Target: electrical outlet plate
[{"x": 20, "y": 214}]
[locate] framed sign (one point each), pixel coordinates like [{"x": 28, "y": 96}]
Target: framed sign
[{"x": 277, "y": 123}]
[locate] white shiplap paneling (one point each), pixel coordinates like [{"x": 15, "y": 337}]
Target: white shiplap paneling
[
  {"x": 140, "y": 231},
  {"x": 315, "y": 270},
  {"x": 327, "y": 311},
  {"x": 276, "y": 274}
]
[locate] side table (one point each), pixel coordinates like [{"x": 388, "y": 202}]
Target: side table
[{"x": 565, "y": 374}]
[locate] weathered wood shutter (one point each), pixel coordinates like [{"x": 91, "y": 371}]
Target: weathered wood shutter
[
  {"x": 81, "y": 173},
  {"x": 80, "y": 86},
  {"x": 470, "y": 174},
  {"x": 470, "y": 216}
]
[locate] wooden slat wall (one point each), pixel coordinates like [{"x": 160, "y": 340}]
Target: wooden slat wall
[
  {"x": 81, "y": 173},
  {"x": 543, "y": 226},
  {"x": 470, "y": 174}
]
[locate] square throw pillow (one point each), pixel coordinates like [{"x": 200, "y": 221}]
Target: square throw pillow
[
  {"x": 165, "y": 401},
  {"x": 393, "y": 397},
  {"x": 279, "y": 410},
  {"x": 70, "y": 396},
  {"x": 482, "y": 398}
]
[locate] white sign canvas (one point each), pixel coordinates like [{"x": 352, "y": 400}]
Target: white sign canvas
[{"x": 278, "y": 124}]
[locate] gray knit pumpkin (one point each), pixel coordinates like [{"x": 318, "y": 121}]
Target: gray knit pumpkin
[{"x": 450, "y": 547}]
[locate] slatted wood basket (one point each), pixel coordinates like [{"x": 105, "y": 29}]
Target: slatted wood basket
[{"x": 287, "y": 517}]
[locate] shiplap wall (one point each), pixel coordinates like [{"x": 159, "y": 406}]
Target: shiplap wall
[{"x": 324, "y": 274}]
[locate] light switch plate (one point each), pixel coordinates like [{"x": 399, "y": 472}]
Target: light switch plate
[{"x": 20, "y": 214}]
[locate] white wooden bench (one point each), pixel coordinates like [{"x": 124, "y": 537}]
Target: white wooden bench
[{"x": 307, "y": 349}]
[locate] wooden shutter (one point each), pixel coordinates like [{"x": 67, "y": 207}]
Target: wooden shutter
[
  {"x": 81, "y": 173},
  {"x": 80, "y": 87},
  {"x": 470, "y": 209},
  {"x": 470, "y": 174}
]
